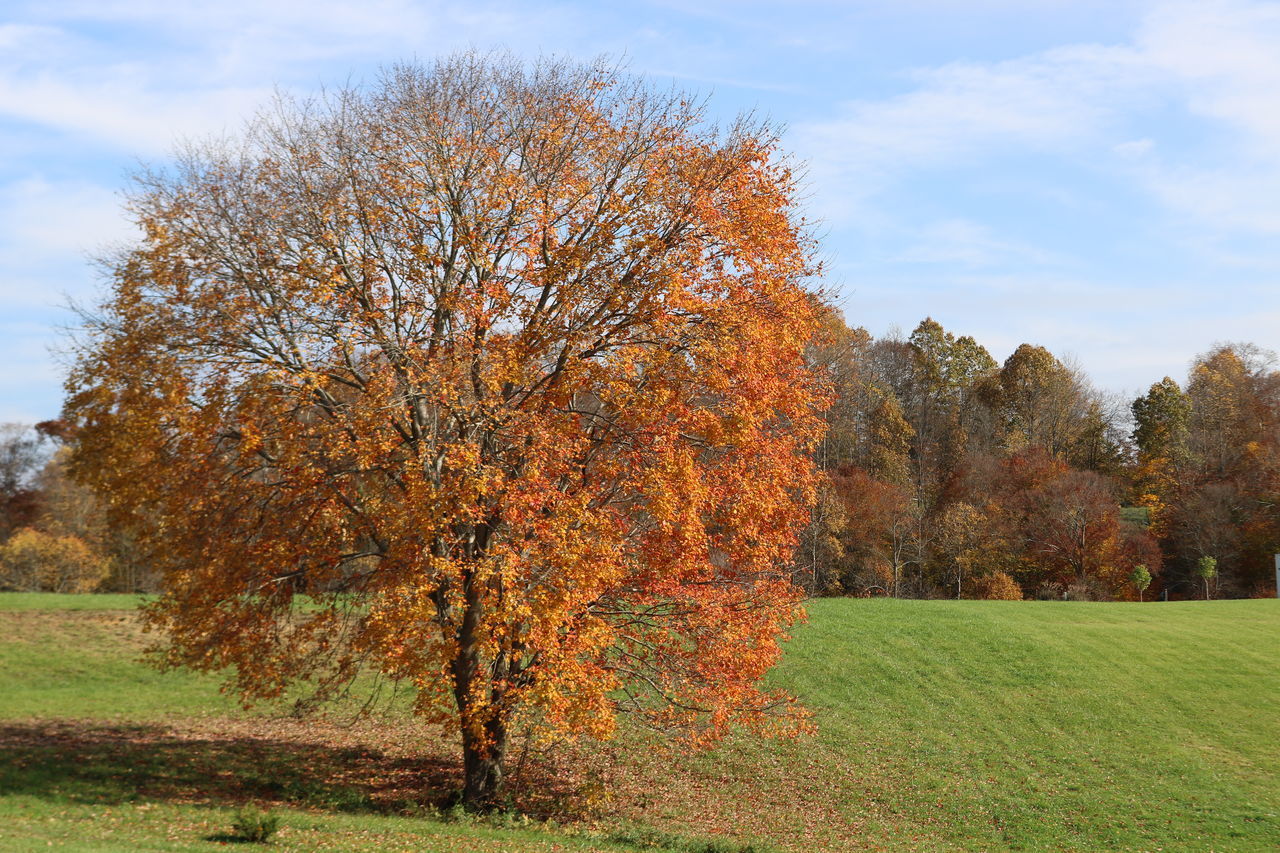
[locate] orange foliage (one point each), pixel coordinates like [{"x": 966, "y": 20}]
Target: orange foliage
[
  {"x": 997, "y": 586},
  {"x": 503, "y": 369}
]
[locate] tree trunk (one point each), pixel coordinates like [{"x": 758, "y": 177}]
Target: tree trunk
[{"x": 482, "y": 763}]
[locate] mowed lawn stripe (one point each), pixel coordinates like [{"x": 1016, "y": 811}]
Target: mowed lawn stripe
[{"x": 1054, "y": 723}]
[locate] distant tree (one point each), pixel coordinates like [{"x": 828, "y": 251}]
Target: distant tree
[
  {"x": 1042, "y": 400},
  {"x": 35, "y": 561},
  {"x": 1161, "y": 421},
  {"x": 1071, "y": 524},
  {"x": 821, "y": 560},
  {"x": 1225, "y": 501},
  {"x": 71, "y": 509},
  {"x": 933, "y": 414},
  {"x": 877, "y": 532},
  {"x": 1141, "y": 579},
  {"x": 961, "y": 534},
  {"x": 1207, "y": 570},
  {"x": 1161, "y": 431},
  {"x": 945, "y": 370},
  {"x": 1098, "y": 443},
  {"x": 838, "y": 354},
  {"x": 1046, "y": 522},
  {"x": 889, "y": 442}
]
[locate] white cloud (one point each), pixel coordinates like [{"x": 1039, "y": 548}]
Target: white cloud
[
  {"x": 1199, "y": 81},
  {"x": 124, "y": 110},
  {"x": 1239, "y": 198},
  {"x": 191, "y": 69},
  {"x": 48, "y": 231},
  {"x": 968, "y": 244},
  {"x": 168, "y": 69},
  {"x": 1057, "y": 101},
  {"x": 1226, "y": 56},
  {"x": 1134, "y": 148},
  {"x": 30, "y": 381},
  {"x": 57, "y": 218},
  {"x": 18, "y": 37}
]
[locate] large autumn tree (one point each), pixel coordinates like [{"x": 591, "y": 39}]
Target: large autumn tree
[{"x": 502, "y": 368}]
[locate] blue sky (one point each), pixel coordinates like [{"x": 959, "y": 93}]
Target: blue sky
[{"x": 1102, "y": 178}]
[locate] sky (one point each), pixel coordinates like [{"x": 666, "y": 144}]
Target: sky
[{"x": 1100, "y": 178}]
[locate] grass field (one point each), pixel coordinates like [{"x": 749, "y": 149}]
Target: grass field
[{"x": 941, "y": 726}]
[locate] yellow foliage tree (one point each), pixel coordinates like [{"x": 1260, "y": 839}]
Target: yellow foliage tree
[
  {"x": 35, "y": 561},
  {"x": 997, "y": 586}
]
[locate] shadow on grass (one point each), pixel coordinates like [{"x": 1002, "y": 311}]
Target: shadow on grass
[{"x": 89, "y": 762}]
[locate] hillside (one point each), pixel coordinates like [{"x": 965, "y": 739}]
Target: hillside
[{"x": 941, "y": 725}]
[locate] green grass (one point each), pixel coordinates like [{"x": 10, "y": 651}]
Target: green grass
[
  {"x": 29, "y": 825},
  {"x": 941, "y": 726},
  {"x": 1037, "y": 725},
  {"x": 56, "y": 601},
  {"x": 75, "y": 659}
]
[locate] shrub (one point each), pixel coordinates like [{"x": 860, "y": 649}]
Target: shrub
[
  {"x": 35, "y": 561},
  {"x": 1049, "y": 591},
  {"x": 1087, "y": 589},
  {"x": 998, "y": 586},
  {"x": 255, "y": 825}
]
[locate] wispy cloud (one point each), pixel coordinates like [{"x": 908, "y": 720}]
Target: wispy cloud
[
  {"x": 1058, "y": 102},
  {"x": 189, "y": 69},
  {"x": 965, "y": 244},
  {"x": 1213, "y": 66}
]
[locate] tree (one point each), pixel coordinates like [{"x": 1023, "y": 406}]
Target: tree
[
  {"x": 70, "y": 509},
  {"x": 1140, "y": 578},
  {"x": 1043, "y": 401},
  {"x": 1207, "y": 570},
  {"x": 1227, "y": 506},
  {"x": 961, "y": 534},
  {"x": 837, "y": 353},
  {"x": 1045, "y": 522},
  {"x": 998, "y": 586},
  {"x": 889, "y": 441},
  {"x": 502, "y": 367},
  {"x": 945, "y": 372},
  {"x": 35, "y": 561},
  {"x": 1161, "y": 419},
  {"x": 876, "y": 530}
]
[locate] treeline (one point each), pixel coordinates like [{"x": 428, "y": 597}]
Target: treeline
[
  {"x": 950, "y": 475},
  {"x": 946, "y": 475}
]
